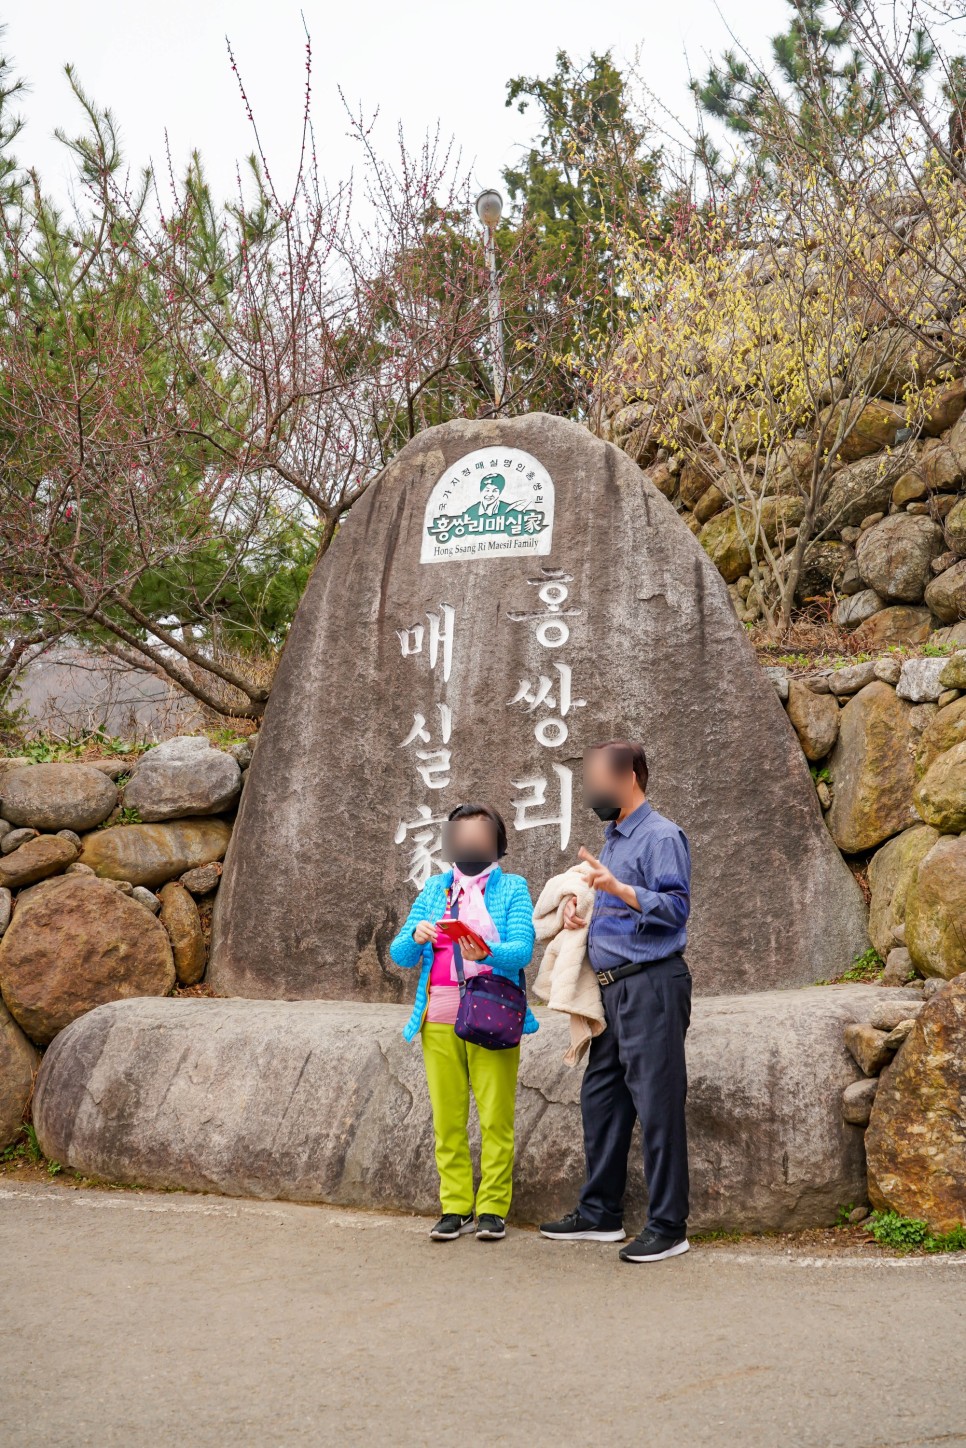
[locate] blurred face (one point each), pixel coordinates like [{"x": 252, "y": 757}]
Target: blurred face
[
  {"x": 490, "y": 494},
  {"x": 609, "y": 782},
  {"x": 470, "y": 844}
]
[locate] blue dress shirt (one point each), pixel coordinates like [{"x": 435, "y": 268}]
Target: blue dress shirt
[{"x": 650, "y": 853}]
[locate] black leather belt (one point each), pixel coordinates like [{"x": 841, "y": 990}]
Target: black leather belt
[{"x": 608, "y": 977}]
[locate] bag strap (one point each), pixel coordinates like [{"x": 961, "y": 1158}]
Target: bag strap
[{"x": 458, "y": 959}]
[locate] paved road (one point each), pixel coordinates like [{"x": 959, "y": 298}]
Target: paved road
[{"x": 145, "y": 1319}]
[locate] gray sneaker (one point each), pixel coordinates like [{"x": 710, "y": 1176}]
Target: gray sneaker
[
  {"x": 451, "y": 1225},
  {"x": 491, "y": 1228}
]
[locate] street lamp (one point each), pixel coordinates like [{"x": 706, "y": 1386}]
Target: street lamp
[{"x": 489, "y": 208}]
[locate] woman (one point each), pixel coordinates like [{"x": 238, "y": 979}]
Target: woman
[{"x": 499, "y": 909}]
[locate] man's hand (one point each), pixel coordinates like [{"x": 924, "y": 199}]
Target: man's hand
[
  {"x": 603, "y": 879},
  {"x": 571, "y": 920},
  {"x": 425, "y": 933}
]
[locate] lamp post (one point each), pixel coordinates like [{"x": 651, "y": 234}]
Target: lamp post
[{"x": 489, "y": 208}]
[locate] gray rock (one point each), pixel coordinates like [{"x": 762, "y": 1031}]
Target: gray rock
[
  {"x": 146, "y": 897},
  {"x": 819, "y": 684},
  {"x": 202, "y": 880},
  {"x": 5, "y": 828},
  {"x": 892, "y": 1013},
  {"x": 241, "y": 753},
  {"x": 13, "y": 839},
  {"x": 852, "y": 611},
  {"x": 931, "y": 987},
  {"x": 55, "y": 797},
  {"x": 858, "y": 1214},
  {"x": 333, "y": 780},
  {"x": 71, "y": 835},
  {"x": 18, "y": 1066},
  {"x": 922, "y": 715},
  {"x": 894, "y": 557},
  {"x": 6, "y": 907},
  {"x": 113, "y": 768},
  {"x": 78, "y": 869},
  {"x": 182, "y": 778},
  {"x": 919, "y": 680},
  {"x": 342, "y": 1115},
  {"x": 857, "y": 1099},
  {"x": 852, "y": 678},
  {"x": 860, "y": 490},
  {"x": 779, "y": 677},
  {"x": 899, "y": 1033},
  {"x": 888, "y": 669},
  {"x": 946, "y": 595},
  {"x": 899, "y": 969}
]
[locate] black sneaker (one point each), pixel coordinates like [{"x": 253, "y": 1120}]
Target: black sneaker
[
  {"x": 650, "y": 1246},
  {"x": 450, "y": 1226},
  {"x": 575, "y": 1228},
  {"x": 491, "y": 1228}
]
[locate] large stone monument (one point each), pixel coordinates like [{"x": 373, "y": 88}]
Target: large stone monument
[{"x": 506, "y": 593}]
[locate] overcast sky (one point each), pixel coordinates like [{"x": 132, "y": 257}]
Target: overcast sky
[{"x": 164, "y": 65}]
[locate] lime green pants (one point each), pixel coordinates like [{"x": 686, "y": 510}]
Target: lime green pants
[{"x": 452, "y": 1067}]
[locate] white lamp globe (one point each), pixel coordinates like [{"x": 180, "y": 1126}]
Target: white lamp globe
[{"x": 489, "y": 208}]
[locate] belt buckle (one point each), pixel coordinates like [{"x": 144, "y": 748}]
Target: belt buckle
[{"x": 606, "y": 977}]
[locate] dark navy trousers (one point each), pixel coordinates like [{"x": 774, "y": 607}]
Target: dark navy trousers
[{"x": 636, "y": 1069}]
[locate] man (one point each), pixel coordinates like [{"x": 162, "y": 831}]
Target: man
[
  {"x": 636, "y": 1067},
  {"x": 491, "y": 504}
]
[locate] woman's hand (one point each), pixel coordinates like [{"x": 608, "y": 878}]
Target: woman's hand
[
  {"x": 425, "y": 933},
  {"x": 470, "y": 951}
]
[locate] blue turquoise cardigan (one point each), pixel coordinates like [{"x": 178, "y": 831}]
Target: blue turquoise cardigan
[{"x": 507, "y": 898}]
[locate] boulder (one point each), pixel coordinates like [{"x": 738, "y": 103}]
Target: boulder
[
  {"x": 152, "y": 854},
  {"x": 822, "y": 567},
  {"x": 180, "y": 918},
  {"x": 45, "y": 855},
  {"x": 851, "y": 678},
  {"x": 19, "y": 1061},
  {"x": 919, "y": 680},
  {"x": 899, "y": 967},
  {"x": 872, "y": 770},
  {"x": 936, "y": 909},
  {"x": 815, "y": 719},
  {"x": 891, "y": 873},
  {"x": 73, "y": 944},
  {"x": 953, "y": 673},
  {"x": 324, "y": 1101},
  {"x": 916, "y": 1140},
  {"x": 183, "y": 777},
  {"x": 871, "y": 426},
  {"x": 900, "y": 625},
  {"x": 348, "y": 784},
  {"x": 940, "y": 795},
  {"x": 892, "y": 1013},
  {"x": 12, "y": 839},
  {"x": 946, "y": 595},
  {"x": 956, "y": 527},
  {"x": 894, "y": 557},
  {"x": 867, "y": 1047},
  {"x": 54, "y": 797},
  {"x": 856, "y": 608},
  {"x": 727, "y": 537},
  {"x": 202, "y": 880},
  {"x": 857, "y": 1101},
  {"x": 857, "y": 490},
  {"x": 946, "y": 729}
]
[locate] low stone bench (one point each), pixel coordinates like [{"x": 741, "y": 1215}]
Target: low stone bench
[{"x": 324, "y": 1101}]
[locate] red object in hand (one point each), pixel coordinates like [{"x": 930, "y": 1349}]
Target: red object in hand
[{"x": 455, "y": 930}]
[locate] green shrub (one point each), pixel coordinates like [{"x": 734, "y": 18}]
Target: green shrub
[{"x": 908, "y": 1234}]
